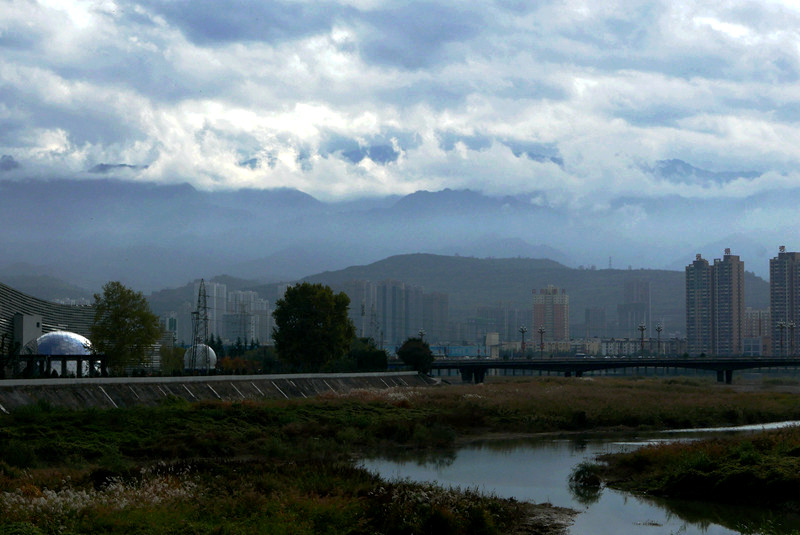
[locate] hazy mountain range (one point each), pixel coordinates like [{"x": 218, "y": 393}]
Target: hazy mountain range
[{"x": 154, "y": 236}]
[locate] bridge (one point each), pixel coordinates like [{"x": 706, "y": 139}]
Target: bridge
[{"x": 475, "y": 369}]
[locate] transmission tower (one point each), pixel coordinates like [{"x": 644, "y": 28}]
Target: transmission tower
[{"x": 200, "y": 329}]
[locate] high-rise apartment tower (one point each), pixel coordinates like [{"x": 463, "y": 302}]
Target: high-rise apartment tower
[
  {"x": 551, "y": 312},
  {"x": 715, "y": 306},
  {"x": 784, "y": 302}
]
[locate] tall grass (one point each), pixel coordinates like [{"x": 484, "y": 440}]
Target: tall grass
[
  {"x": 762, "y": 468},
  {"x": 287, "y": 466}
]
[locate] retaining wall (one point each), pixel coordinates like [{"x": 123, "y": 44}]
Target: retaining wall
[{"x": 111, "y": 392}]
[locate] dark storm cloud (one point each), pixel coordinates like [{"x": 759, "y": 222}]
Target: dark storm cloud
[
  {"x": 654, "y": 115},
  {"x": 519, "y": 87},
  {"x": 378, "y": 148},
  {"x": 539, "y": 152},
  {"x": 409, "y": 35},
  {"x": 448, "y": 140},
  {"x": 414, "y": 35},
  {"x": 8, "y": 163},
  {"x": 145, "y": 72},
  {"x": 208, "y": 22},
  {"x": 105, "y": 168},
  {"x": 86, "y": 120},
  {"x": 18, "y": 38},
  {"x": 680, "y": 171}
]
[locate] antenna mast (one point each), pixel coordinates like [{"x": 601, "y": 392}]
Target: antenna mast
[{"x": 200, "y": 329}]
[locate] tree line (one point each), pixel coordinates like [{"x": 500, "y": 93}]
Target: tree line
[{"x": 312, "y": 333}]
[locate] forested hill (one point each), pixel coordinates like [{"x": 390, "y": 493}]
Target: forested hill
[{"x": 472, "y": 282}]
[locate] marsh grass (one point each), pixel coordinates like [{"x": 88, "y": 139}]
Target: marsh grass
[
  {"x": 288, "y": 466},
  {"x": 761, "y": 468}
]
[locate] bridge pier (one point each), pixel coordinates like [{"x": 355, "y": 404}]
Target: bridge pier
[
  {"x": 725, "y": 375},
  {"x": 466, "y": 375},
  {"x": 472, "y": 374}
]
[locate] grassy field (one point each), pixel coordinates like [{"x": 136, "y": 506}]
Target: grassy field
[{"x": 289, "y": 466}]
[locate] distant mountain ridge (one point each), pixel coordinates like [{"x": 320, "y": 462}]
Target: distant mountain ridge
[
  {"x": 680, "y": 170},
  {"x": 151, "y": 236}
]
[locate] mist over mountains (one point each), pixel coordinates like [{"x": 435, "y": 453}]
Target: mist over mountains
[{"x": 153, "y": 236}]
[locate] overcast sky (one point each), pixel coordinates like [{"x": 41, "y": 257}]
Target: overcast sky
[{"x": 575, "y": 100}]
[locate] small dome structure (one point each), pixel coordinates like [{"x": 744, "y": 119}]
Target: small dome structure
[
  {"x": 59, "y": 343},
  {"x": 62, "y": 344},
  {"x": 205, "y": 359}
]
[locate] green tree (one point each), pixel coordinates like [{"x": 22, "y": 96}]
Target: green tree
[
  {"x": 124, "y": 327},
  {"x": 172, "y": 359},
  {"x": 311, "y": 326},
  {"x": 416, "y": 353},
  {"x": 364, "y": 356},
  {"x": 367, "y": 356}
]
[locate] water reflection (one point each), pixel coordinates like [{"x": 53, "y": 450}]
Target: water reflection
[
  {"x": 433, "y": 459},
  {"x": 539, "y": 470},
  {"x": 585, "y": 484}
]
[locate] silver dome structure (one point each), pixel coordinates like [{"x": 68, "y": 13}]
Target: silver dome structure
[
  {"x": 63, "y": 344},
  {"x": 205, "y": 359},
  {"x": 59, "y": 343}
]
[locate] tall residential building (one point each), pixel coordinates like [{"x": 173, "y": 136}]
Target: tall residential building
[
  {"x": 756, "y": 323},
  {"x": 784, "y": 302},
  {"x": 435, "y": 316},
  {"x": 728, "y": 305},
  {"x": 595, "y": 322},
  {"x": 248, "y": 318},
  {"x": 698, "y": 307},
  {"x": 755, "y": 334},
  {"x": 715, "y": 306},
  {"x": 635, "y": 308},
  {"x": 413, "y": 313},
  {"x": 551, "y": 311},
  {"x": 362, "y": 310},
  {"x": 169, "y": 323},
  {"x": 389, "y": 311}
]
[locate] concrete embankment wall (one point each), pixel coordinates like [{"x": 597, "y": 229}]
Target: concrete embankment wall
[{"x": 111, "y": 392}]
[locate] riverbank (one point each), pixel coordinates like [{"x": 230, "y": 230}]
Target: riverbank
[{"x": 287, "y": 466}]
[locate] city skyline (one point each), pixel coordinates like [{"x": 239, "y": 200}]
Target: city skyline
[{"x": 393, "y": 310}]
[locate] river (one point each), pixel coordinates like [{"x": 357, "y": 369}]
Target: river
[{"x": 538, "y": 469}]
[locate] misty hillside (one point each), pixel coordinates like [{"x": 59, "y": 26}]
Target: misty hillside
[
  {"x": 46, "y": 287},
  {"x": 171, "y": 299},
  {"x": 151, "y": 236}
]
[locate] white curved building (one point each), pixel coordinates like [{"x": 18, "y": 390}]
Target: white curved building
[{"x": 204, "y": 360}]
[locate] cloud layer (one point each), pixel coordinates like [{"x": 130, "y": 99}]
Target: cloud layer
[{"x": 582, "y": 103}]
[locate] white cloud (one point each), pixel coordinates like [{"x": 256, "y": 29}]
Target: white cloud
[{"x": 610, "y": 88}]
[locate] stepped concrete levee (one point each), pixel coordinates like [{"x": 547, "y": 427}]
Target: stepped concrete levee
[{"x": 115, "y": 392}]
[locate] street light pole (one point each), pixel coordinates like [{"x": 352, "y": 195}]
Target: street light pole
[
  {"x": 791, "y": 338},
  {"x": 659, "y": 328},
  {"x": 522, "y": 330},
  {"x": 781, "y": 327},
  {"x": 541, "y": 342},
  {"x": 642, "y": 329}
]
